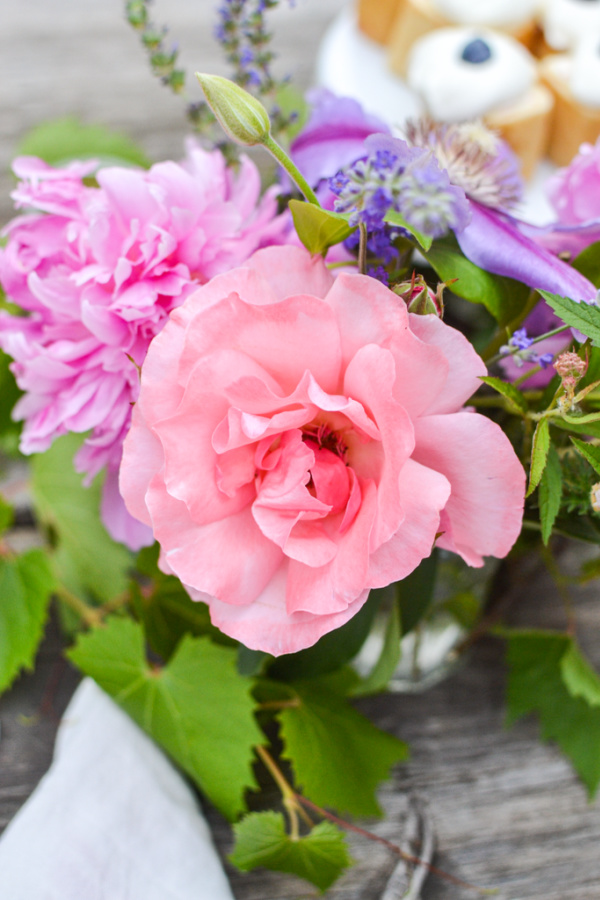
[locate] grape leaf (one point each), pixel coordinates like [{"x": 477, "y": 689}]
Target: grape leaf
[
  {"x": 548, "y": 676},
  {"x": 60, "y": 140},
  {"x": 209, "y": 732},
  {"x": 320, "y": 857},
  {"x": 26, "y": 585},
  {"x": 550, "y": 493},
  {"x": 86, "y": 558},
  {"x": 337, "y": 755},
  {"x": 539, "y": 454},
  {"x": 585, "y": 317}
]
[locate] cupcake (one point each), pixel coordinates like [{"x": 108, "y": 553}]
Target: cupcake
[
  {"x": 565, "y": 23},
  {"x": 416, "y": 18},
  {"x": 462, "y": 74},
  {"x": 574, "y": 79}
]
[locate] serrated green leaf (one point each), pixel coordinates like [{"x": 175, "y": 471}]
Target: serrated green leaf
[
  {"x": 589, "y": 452},
  {"x": 579, "y": 677},
  {"x": 385, "y": 666},
  {"x": 504, "y": 298},
  {"x": 539, "y": 454},
  {"x": 197, "y": 707},
  {"x": 537, "y": 684},
  {"x": 550, "y": 493},
  {"x": 588, "y": 263},
  {"x": 60, "y": 140},
  {"x": 317, "y": 228},
  {"x": 395, "y": 218},
  {"x": 87, "y": 560},
  {"x": 514, "y": 396},
  {"x": 591, "y": 429},
  {"x": 320, "y": 857},
  {"x": 585, "y": 317},
  {"x": 338, "y": 756},
  {"x": 26, "y": 585}
]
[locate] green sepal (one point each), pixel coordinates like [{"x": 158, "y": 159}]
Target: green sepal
[
  {"x": 317, "y": 228},
  {"x": 198, "y": 708},
  {"x": 319, "y": 857}
]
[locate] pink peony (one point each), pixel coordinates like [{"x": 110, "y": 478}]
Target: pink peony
[
  {"x": 299, "y": 440},
  {"x": 98, "y": 269}
]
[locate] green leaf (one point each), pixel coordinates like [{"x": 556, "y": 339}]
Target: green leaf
[
  {"x": 87, "y": 560},
  {"x": 514, "y": 396},
  {"x": 9, "y": 394},
  {"x": 60, "y": 140},
  {"x": 585, "y": 317},
  {"x": 550, "y": 493},
  {"x": 539, "y": 454},
  {"x": 197, "y": 707},
  {"x": 415, "y": 592},
  {"x": 338, "y": 756},
  {"x": 579, "y": 677},
  {"x": 547, "y": 677},
  {"x": 504, "y": 298},
  {"x": 589, "y": 452},
  {"x": 332, "y": 650},
  {"x": 394, "y": 218},
  {"x": 588, "y": 263},
  {"x": 26, "y": 585},
  {"x": 317, "y": 228},
  {"x": 7, "y": 515},
  {"x": 261, "y": 840},
  {"x": 384, "y": 668}
]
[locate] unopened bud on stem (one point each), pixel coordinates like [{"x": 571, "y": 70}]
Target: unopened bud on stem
[{"x": 242, "y": 117}]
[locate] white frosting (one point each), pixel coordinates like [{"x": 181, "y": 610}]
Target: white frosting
[
  {"x": 566, "y": 22},
  {"x": 499, "y": 13},
  {"x": 584, "y": 80},
  {"x": 454, "y": 90}
]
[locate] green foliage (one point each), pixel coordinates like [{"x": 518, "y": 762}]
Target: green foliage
[
  {"x": 332, "y": 651},
  {"x": 197, "y": 707},
  {"x": 9, "y": 394},
  {"x": 26, "y": 585},
  {"x": 394, "y": 218},
  {"x": 63, "y": 139},
  {"x": 504, "y": 298},
  {"x": 320, "y": 857},
  {"x": 87, "y": 560},
  {"x": 588, "y": 263},
  {"x": 317, "y": 228},
  {"x": 7, "y": 515},
  {"x": 590, "y": 452},
  {"x": 549, "y": 676},
  {"x": 539, "y": 454},
  {"x": 384, "y": 668},
  {"x": 583, "y": 316},
  {"x": 338, "y": 756},
  {"x": 516, "y": 399},
  {"x": 550, "y": 493},
  {"x": 415, "y": 592}
]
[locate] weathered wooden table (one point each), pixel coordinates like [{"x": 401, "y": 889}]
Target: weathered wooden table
[{"x": 508, "y": 811}]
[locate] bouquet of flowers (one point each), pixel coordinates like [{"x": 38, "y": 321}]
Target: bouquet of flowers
[{"x": 304, "y": 414}]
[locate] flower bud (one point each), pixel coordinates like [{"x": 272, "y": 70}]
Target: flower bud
[
  {"x": 243, "y": 118},
  {"x": 420, "y": 298}
]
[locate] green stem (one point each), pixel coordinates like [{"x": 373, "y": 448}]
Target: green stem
[
  {"x": 536, "y": 340},
  {"x": 500, "y": 338},
  {"x": 89, "y": 615},
  {"x": 362, "y": 249},
  {"x": 283, "y": 159}
]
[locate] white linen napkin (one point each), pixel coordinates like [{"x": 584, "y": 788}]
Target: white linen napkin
[{"x": 111, "y": 820}]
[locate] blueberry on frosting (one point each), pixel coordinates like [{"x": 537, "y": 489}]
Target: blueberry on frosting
[{"x": 476, "y": 52}]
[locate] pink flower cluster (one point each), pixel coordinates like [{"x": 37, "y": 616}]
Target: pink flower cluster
[
  {"x": 98, "y": 266},
  {"x": 299, "y": 440}
]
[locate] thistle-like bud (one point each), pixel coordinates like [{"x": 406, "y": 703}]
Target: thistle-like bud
[
  {"x": 420, "y": 298},
  {"x": 243, "y": 118}
]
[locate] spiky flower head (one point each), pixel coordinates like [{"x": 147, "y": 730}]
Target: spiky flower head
[{"x": 475, "y": 158}]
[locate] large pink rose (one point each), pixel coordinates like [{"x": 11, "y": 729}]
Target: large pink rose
[{"x": 298, "y": 441}]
